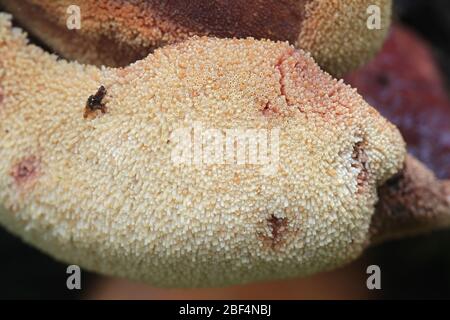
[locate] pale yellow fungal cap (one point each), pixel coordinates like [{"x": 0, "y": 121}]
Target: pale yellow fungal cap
[{"x": 104, "y": 193}]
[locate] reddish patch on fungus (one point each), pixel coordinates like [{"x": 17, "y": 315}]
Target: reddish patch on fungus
[
  {"x": 26, "y": 171},
  {"x": 278, "y": 228},
  {"x": 360, "y": 156}
]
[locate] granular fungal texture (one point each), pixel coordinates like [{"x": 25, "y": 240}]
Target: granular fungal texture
[{"x": 106, "y": 194}]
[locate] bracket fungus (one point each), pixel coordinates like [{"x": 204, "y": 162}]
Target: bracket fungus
[
  {"x": 118, "y": 32},
  {"x": 106, "y": 194}
]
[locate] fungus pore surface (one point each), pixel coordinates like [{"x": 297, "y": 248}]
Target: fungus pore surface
[{"x": 107, "y": 193}]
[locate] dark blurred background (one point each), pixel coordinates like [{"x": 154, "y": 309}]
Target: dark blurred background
[{"x": 417, "y": 268}]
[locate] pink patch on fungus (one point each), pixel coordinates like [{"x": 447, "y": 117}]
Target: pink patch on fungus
[{"x": 26, "y": 171}]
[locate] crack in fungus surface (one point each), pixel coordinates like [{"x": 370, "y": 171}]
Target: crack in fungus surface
[
  {"x": 279, "y": 66},
  {"x": 270, "y": 108}
]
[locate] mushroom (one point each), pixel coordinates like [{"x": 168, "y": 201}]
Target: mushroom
[
  {"x": 106, "y": 192},
  {"x": 117, "y": 32}
]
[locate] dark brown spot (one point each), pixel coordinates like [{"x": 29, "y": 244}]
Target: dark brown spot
[
  {"x": 26, "y": 171},
  {"x": 280, "y": 67},
  {"x": 360, "y": 157},
  {"x": 277, "y": 227},
  {"x": 95, "y": 102}
]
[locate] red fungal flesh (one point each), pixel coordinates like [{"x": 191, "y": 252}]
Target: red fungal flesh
[{"x": 281, "y": 70}]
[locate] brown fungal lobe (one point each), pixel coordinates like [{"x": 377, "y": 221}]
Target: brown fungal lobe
[
  {"x": 140, "y": 27},
  {"x": 95, "y": 102},
  {"x": 236, "y": 18}
]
